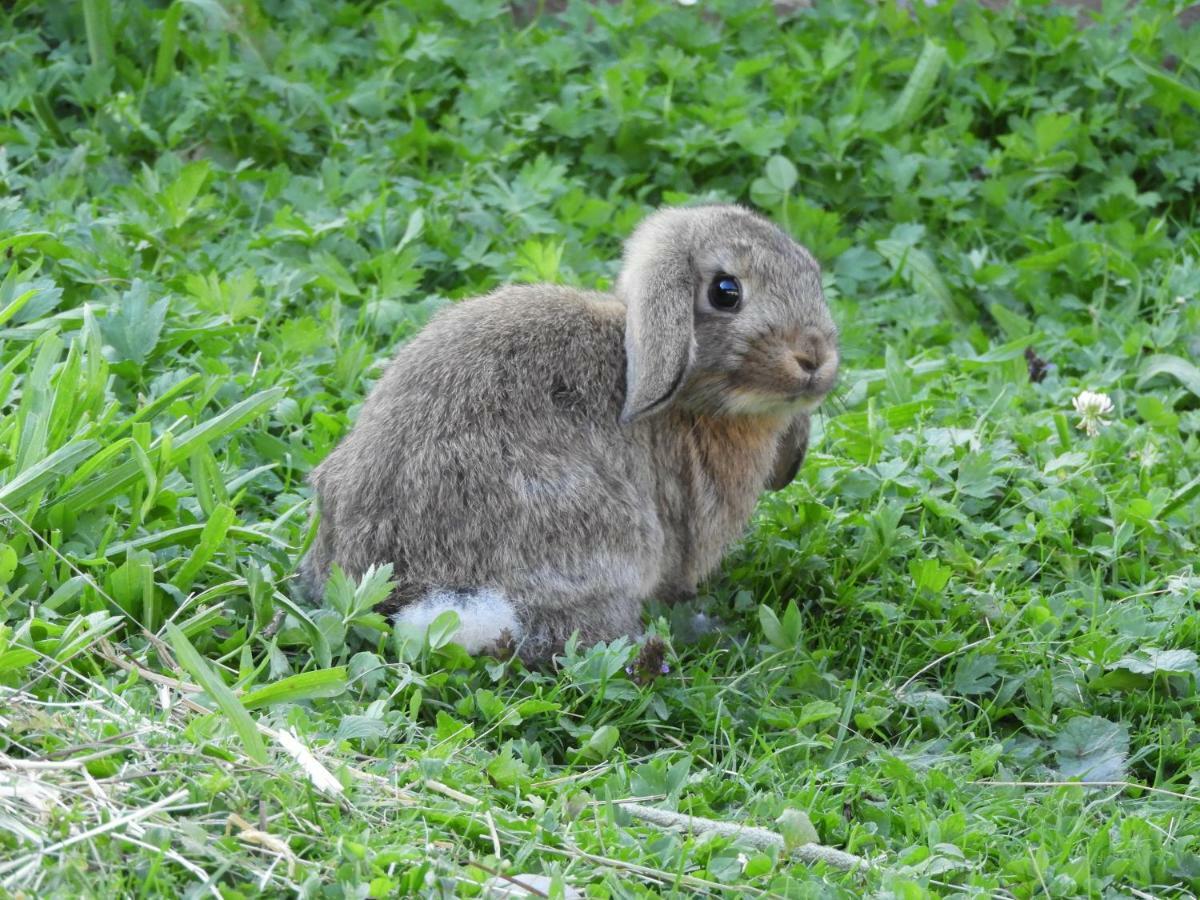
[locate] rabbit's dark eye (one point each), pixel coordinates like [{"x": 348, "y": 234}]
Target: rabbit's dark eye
[{"x": 725, "y": 293}]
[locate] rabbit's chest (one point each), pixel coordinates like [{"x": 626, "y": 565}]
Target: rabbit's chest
[{"x": 727, "y": 468}]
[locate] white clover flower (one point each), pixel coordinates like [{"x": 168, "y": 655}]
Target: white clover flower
[
  {"x": 1147, "y": 456},
  {"x": 1092, "y": 407}
]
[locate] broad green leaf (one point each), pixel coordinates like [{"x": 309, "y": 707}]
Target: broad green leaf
[
  {"x": 450, "y": 730},
  {"x": 599, "y": 744},
  {"x": 16, "y": 658},
  {"x": 333, "y": 275},
  {"x": 772, "y": 628},
  {"x": 504, "y": 770},
  {"x": 929, "y": 575},
  {"x": 796, "y": 828},
  {"x": 443, "y": 628},
  {"x": 1015, "y": 326},
  {"x": 817, "y": 711},
  {"x": 533, "y": 707},
  {"x": 1186, "y": 373},
  {"x": 178, "y": 199},
  {"x": 8, "y": 563},
  {"x": 367, "y": 671},
  {"x": 356, "y": 727},
  {"x": 975, "y": 674},
  {"x": 319, "y": 683},
  {"x": 781, "y": 173},
  {"x": 1152, "y": 662},
  {"x": 1091, "y": 748},
  {"x": 134, "y": 327}
]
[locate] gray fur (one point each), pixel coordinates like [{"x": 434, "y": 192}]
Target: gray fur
[{"x": 502, "y": 451}]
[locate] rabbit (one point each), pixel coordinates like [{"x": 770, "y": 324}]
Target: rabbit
[{"x": 544, "y": 460}]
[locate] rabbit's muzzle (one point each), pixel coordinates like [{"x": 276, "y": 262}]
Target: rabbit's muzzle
[{"x": 784, "y": 372}]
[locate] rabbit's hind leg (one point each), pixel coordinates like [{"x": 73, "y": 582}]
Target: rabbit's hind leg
[{"x": 545, "y": 631}]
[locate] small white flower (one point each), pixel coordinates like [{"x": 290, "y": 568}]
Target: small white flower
[
  {"x": 1147, "y": 456},
  {"x": 1092, "y": 407},
  {"x": 1181, "y": 583},
  {"x": 321, "y": 777},
  {"x": 686, "y": 2}
]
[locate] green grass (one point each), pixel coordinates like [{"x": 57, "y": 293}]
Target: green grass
[{"x": 218, "y": 218}]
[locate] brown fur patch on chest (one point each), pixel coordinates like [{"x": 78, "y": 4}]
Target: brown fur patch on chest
[{"x": 736, "y": 451}]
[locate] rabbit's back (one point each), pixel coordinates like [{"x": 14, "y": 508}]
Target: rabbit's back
[{"x": 522, "y": 351}]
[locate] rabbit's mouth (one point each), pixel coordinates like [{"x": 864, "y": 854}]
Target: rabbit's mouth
[
  {"x": 753, "y": 402},
  {"x": 804, "y": 402},
  {"x": 787, "y": 387}
]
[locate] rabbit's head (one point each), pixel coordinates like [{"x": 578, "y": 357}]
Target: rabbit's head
[{"x": 725, "y": 316}]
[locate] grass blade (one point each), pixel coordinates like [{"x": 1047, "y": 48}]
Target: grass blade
[
  {"x": 1184, "y": 495},
  {"x": 41, "y": 473},
  {"x": 211, "y": 539},
  {"x": 230, "y": 706},
  {"x": 119, "y": 479},
  {"x": 1169, "y": 84},
  {"x": 226, "y": 422},
  {"x": 185, "y": 535},
  {"x": 16, "y": 305},
  {"x": 168, "y": 45},
  {"x": 97, "y": 22}
]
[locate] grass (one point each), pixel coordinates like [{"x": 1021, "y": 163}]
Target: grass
[{"x": 218, "y": 219}]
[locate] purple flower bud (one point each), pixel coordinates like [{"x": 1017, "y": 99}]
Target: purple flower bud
[
  {"x": 629, "y": 670},
  {"x": 665, "y": 668}
]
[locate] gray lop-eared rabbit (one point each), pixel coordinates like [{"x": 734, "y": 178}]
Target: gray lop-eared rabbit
[{"x": 544, "y": 460}]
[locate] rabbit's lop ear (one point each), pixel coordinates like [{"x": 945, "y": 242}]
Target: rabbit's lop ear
[{"x": 656, "y": 285}]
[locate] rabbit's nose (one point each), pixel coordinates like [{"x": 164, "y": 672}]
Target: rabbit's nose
[
  {"x": 816, "y": 356},
  {"x": 811, "y": 350},
  {"x": 807, "y": 361}
]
